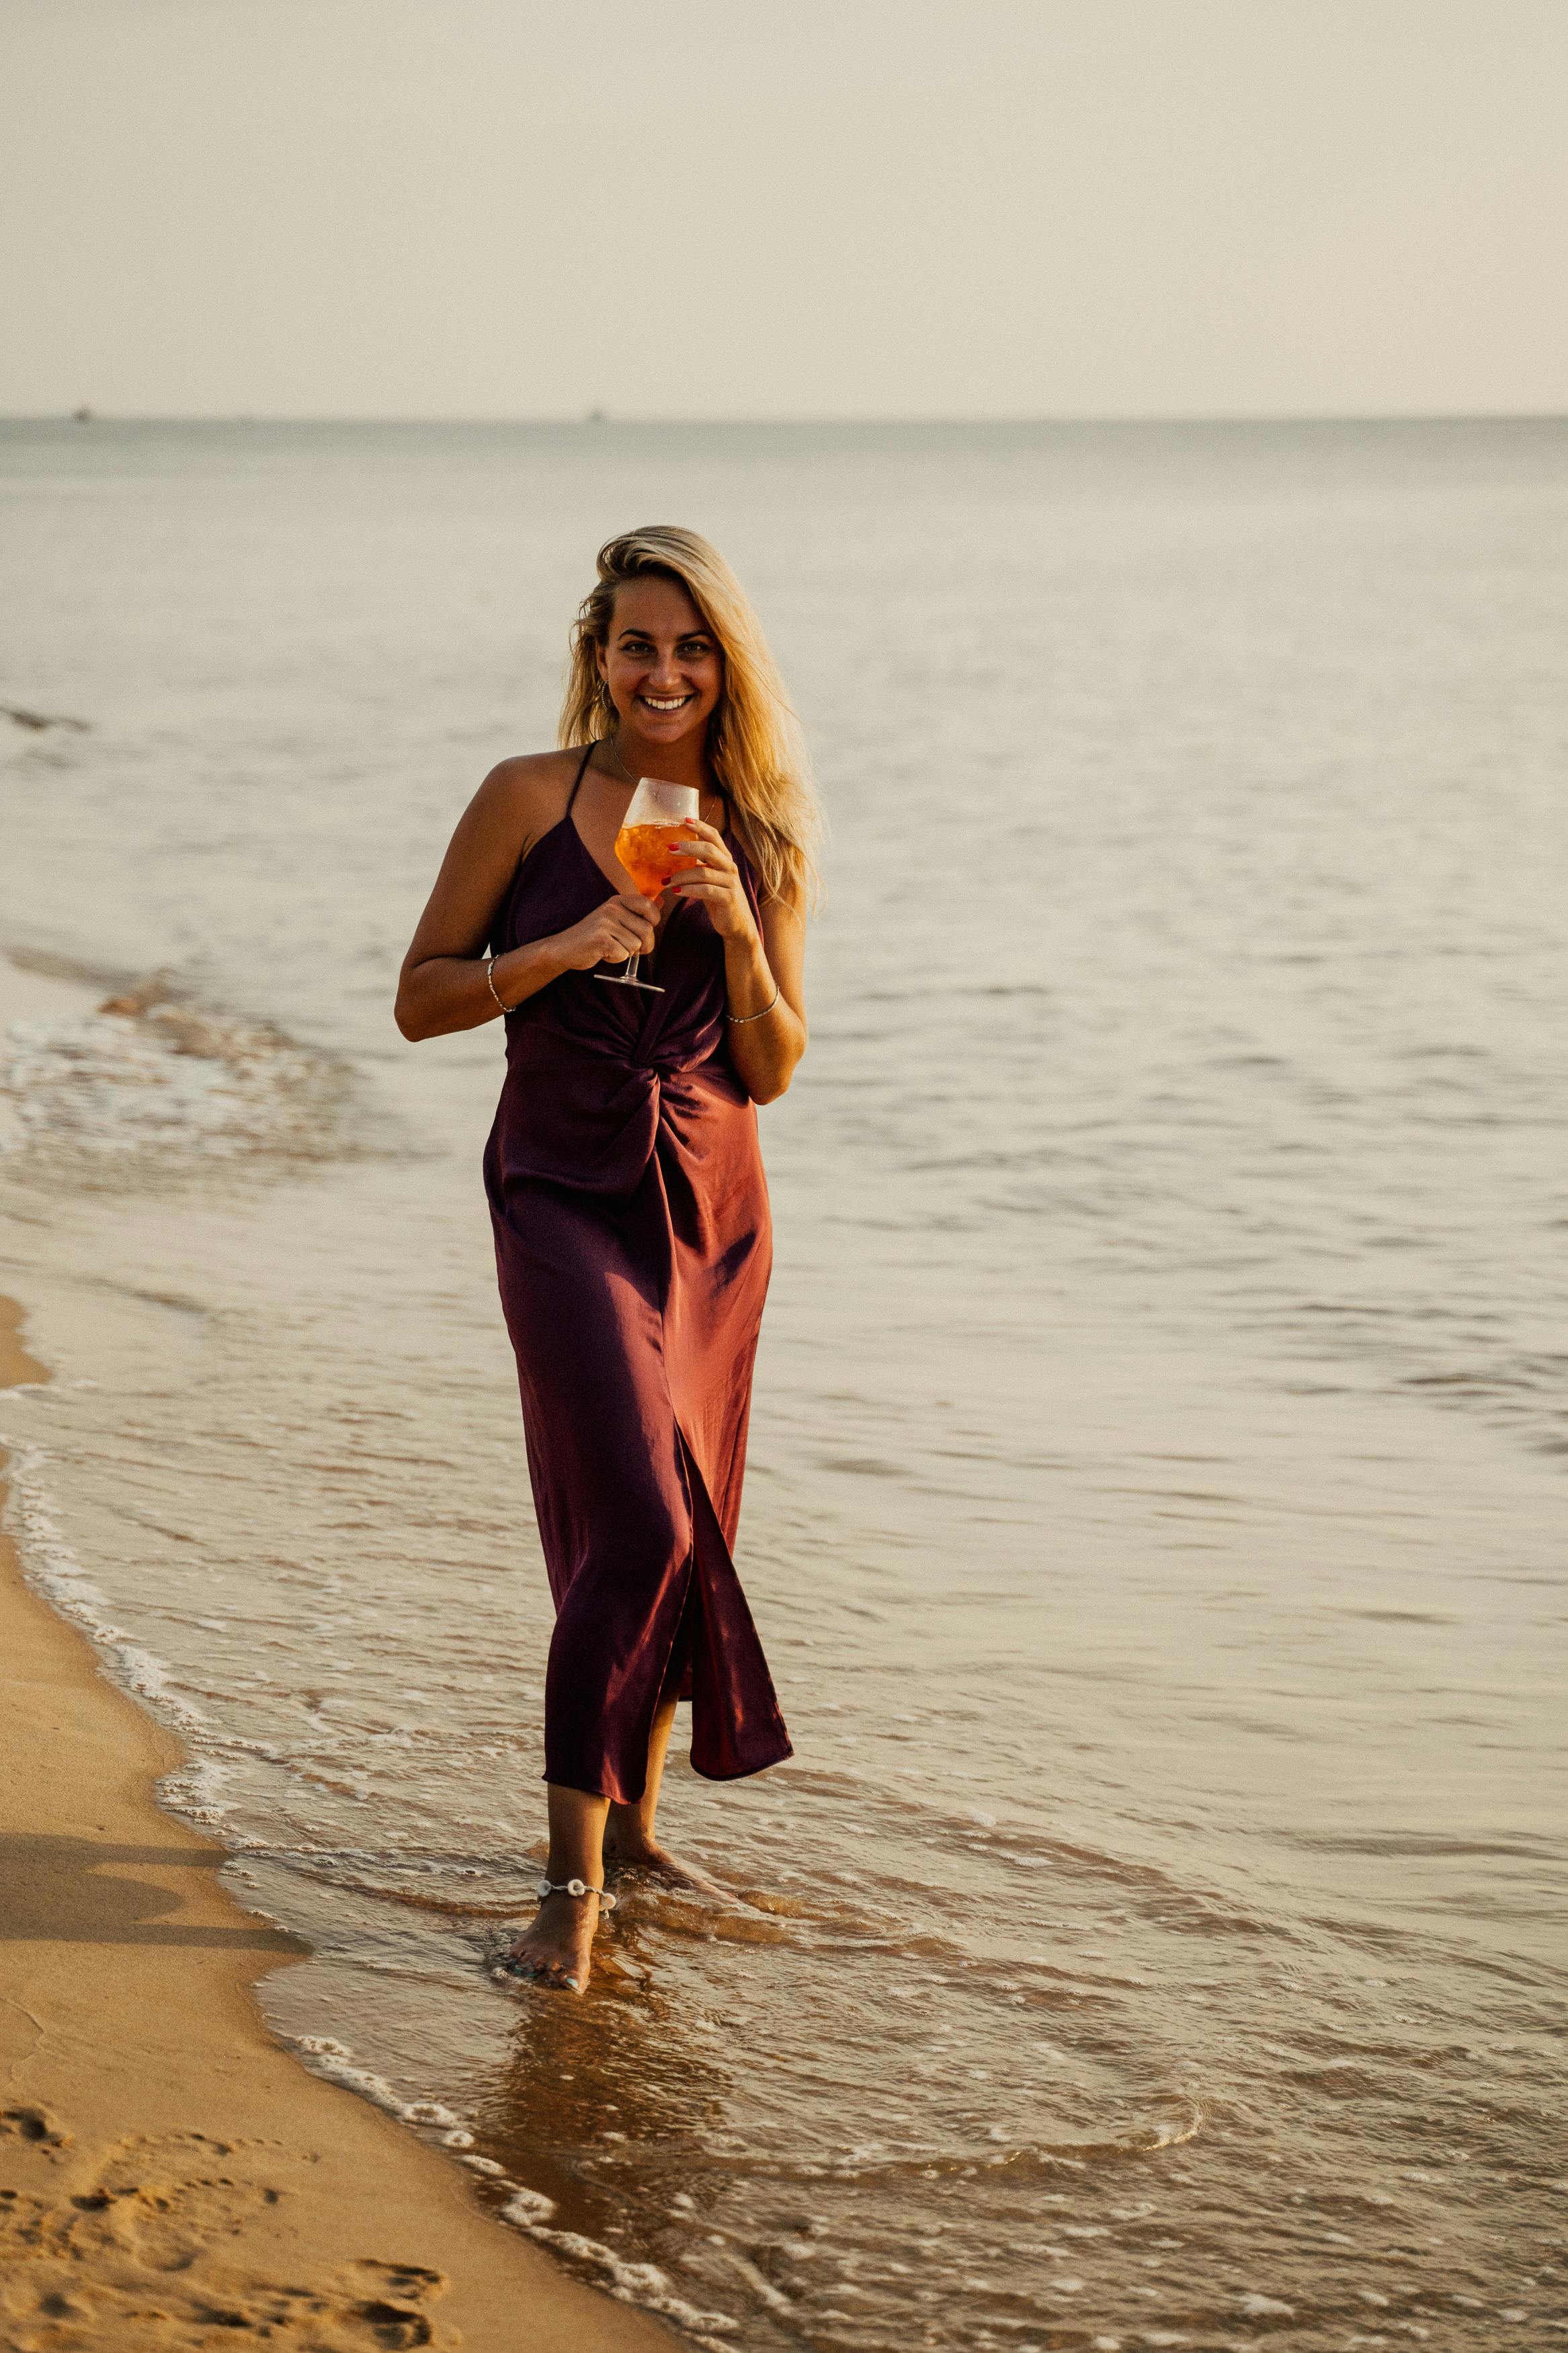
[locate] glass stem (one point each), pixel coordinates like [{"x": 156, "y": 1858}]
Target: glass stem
[{"x": 632, "y": 963}]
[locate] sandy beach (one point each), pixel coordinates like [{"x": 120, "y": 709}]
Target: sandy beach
[{"x": 168, "y": 2176}]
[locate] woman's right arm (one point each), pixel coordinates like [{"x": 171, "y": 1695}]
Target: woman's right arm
[{"x": 442, "y": 986}]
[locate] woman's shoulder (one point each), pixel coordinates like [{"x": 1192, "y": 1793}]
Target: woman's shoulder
[
  {"x": 526, "y": 794},
  {"x": 524, "y": 777}
]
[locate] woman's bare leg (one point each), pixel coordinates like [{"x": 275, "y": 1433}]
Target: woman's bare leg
[
  {"x": 557, "y": 1949},
  {"x": 631, "y": 1834}
]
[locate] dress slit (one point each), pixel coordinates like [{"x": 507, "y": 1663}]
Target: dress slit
[{"x": 727, "y": 1742}]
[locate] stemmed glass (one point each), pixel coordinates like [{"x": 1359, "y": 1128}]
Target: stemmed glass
[{"x": 656, "y": 815}]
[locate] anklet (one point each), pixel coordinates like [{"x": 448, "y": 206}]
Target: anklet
[{"x": 572, "y": 1887}]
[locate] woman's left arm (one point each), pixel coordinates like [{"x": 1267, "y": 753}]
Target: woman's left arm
[{"x": 762, "y": 963}]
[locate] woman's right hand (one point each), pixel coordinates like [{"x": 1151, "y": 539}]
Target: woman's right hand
[{"x": 621, "y": 927}]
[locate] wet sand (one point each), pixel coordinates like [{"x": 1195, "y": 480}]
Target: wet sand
[{"x": 168, "y": 2176}]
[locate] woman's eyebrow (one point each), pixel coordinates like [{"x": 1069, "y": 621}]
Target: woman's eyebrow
[{"x": 645, "y": 636}]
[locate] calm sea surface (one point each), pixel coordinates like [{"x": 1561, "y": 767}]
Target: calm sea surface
[{"x": 1156, "y": 1509}]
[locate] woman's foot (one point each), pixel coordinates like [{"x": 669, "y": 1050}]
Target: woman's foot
[
  {"x": 557, "y": 1949},
  {"x": 628, "y": 1847}
]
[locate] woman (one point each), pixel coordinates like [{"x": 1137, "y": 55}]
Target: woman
[{"x": 625, "y": 1185}]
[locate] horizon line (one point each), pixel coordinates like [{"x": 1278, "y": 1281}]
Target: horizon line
[{"x": 85, "y": 413}]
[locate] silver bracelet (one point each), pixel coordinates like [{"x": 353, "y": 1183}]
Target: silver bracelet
[
  {"x": 490, "y": 976},
  {"x": 739, "y": 1017}
]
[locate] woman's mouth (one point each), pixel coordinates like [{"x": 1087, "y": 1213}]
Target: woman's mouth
[{"x": 665, "y": 701}]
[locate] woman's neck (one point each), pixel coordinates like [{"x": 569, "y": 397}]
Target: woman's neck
[{"x": 677, "y": 764}]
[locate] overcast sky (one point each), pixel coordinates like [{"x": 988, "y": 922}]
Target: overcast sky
[{"x": 806, "y": 208}]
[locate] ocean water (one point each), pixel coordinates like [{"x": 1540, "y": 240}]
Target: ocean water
[{"x": 1156, "y": 1505}]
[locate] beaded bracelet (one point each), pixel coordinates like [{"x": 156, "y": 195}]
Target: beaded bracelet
[{"x": 490, "y": 976}]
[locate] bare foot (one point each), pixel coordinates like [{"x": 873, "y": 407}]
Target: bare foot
[
  {"x": 557, "y": 1949},
  {"x": 628, "y": 1848}
]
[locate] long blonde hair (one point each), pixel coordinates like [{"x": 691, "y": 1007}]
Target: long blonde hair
[{"x": 755, "y": 744}]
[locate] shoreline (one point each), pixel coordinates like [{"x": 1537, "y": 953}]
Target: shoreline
[{"x": 166, "y": 2167}]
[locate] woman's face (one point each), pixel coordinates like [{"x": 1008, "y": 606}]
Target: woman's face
[{"x": 661, "y": 662}]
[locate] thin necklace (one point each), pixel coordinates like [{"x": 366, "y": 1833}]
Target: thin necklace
[{"x": 609, "y": 743}]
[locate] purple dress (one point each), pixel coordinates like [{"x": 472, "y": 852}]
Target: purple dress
[{"x": 633, "y": 1245}]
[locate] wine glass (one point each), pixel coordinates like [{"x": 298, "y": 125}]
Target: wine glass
[{"x": 656, "y": 815}]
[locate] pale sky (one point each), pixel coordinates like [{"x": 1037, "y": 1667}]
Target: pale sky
[{"x": 810, "y": 208}]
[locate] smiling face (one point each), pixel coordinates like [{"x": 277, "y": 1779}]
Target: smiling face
[{"x": 661, "y": 662}]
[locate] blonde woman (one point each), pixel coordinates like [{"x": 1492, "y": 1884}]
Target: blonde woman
[{"x": 625, "y": 1185}]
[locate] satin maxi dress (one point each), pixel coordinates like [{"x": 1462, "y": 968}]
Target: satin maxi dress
[{"x": 633, "y": 1246}]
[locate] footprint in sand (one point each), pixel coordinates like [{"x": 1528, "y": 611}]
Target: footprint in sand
[
  {"x": 137, "y": 2255},
  {"x": 34, "y": 2126}
]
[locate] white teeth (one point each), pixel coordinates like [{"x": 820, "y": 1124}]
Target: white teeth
[{"x": 665, "y": 701}]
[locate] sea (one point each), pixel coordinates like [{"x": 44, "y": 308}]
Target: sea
[{"x": 1156, "y": 1506}]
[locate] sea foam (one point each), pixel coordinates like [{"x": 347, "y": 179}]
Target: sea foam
[{"x": 147, "y": 1075}]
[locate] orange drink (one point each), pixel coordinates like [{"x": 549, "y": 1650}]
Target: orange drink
[
  {"x": 649, "y": 855},
  {"x": 656, "y": 815}
]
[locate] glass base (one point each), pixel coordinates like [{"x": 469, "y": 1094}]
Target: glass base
[{"x": 621, "y": 980}]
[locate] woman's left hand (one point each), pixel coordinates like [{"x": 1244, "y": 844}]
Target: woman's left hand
[{"x": 714, "y": 878}]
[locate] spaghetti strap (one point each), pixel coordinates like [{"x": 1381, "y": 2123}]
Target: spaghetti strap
[{"x": 582, "y": 772}]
